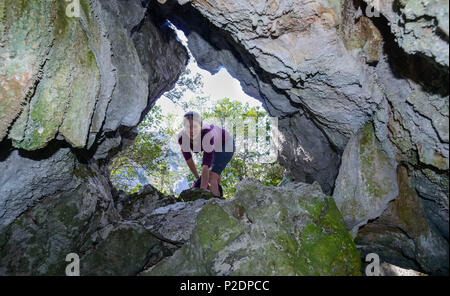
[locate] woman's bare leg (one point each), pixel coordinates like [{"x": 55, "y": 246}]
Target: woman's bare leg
[{"x": 214, "y": 183}]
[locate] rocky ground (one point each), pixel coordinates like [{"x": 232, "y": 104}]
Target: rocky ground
[{"x": 289, "y": 230}]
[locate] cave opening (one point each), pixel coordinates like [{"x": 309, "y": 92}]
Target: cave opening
[
  {"x": 155, "y": 157},
  {"x": 307, "y": 151}
]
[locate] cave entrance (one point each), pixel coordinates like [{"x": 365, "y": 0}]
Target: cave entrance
[{"x": 155, "y": 157}]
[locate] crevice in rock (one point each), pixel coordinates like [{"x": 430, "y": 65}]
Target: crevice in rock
[
  {"x": 46, "y": 152},
  {"x": 177, "y": 244},
  {"x": 6, "y": 148},
  {"x": 416, "y": 67}
]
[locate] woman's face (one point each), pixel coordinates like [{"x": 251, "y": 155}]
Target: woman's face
[{"x": 195, "y": 128}]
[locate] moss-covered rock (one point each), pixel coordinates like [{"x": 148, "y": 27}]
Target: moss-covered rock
[
  {"x": 65, "y": 97},
  {"x": 290, "y": 230},
  {"x": 24, "y": 44},
  {"x": 367, "y": 180},
  {"x": 37, "y": 242},
  {"x": 49, "y": 79},
  {"x": 194, "y": 194},
  {"x": 136, "y": 205}
]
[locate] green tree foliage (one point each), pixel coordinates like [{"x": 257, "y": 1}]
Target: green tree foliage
[
  {"x": 152, "y": 153},
  {"x": 149, "y": 155},
  {"x": 187, "y": 81},
  {"x": 248, "y": 161}
]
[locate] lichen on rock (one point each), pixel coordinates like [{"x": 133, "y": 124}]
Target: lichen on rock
[
  {"x": 366, "y": 181},
  {"x": 289, "y": 230},
  {"x": 65, "y": 95}
]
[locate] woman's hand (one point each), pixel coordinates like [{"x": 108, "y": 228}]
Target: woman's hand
[{"x": 191, "y": 165}]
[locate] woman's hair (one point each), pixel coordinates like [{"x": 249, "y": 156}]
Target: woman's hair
[{"x": 195, "y": 116}]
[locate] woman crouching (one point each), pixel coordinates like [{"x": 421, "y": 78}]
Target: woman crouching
[{"x": 216, "y": 144}]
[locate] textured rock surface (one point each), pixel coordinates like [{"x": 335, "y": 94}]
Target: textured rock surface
[
  {"x": 403, "y": 235},
  {"x": 24, "y": 180},
  {"x": 419, "y": 26},
  {"x": 175, "y": 222},
  {"x": 73, "y": 90},
  {"x": 80, "y": 79},
  {"x": 302, "y": 144},
  {"x": 63, "y": 96},
  {"x": 135, "y": 206},
  {"x": 22, "y": 54},
  {"x": 125, "y": 251},
  {"x": 62, "y": 222},
  {"x": 84, "y": 220},
  {"x": 195, "y": 193},
  {"x": 434, "y": 192},
  {"x": 366, "y": 182},
  {"x": 290, "y": 230}
]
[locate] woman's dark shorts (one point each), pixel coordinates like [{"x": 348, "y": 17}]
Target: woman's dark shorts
[{"x": 221, "y": 159}]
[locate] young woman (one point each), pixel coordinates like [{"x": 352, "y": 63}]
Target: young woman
[{"x": 216, "y": 144}]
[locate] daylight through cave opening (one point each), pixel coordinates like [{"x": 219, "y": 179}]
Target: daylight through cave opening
[{"x": 155, "y": 157}]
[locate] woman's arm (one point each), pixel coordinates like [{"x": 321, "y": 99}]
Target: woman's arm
[
  {"x": 208, "y": 155},
  {"x": 205, "y": 177},
  {"x": 191, "y": 165}
]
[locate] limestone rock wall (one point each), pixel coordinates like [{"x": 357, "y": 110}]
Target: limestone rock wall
[
  {"x": 367, "y": 180},
  {"x": 72, "y": 91},
  {"x": 81, "y": 79},
  {"x": 84, "y": 84},
  {"x": 87, "y": 220},
  {"x": 330, "y": 67}
]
